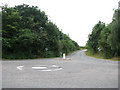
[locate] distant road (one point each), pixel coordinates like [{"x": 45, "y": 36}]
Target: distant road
[{"x": 80, "y": 72}]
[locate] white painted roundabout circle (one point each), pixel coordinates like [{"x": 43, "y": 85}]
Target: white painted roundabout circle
[{"x": 46, "y": 68}]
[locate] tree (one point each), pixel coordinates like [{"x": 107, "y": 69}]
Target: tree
[
  {"x": 104, "y": 46},
  {"x": 114, "y": 37},
  {"x": 106, "y": 37},
  {"x": 27, "y": 32},
  {"x": 94, "y": 37}
]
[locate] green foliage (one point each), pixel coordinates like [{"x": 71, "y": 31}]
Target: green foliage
[
  {"x": 27, "y": 32},
  {"x": 94, "y": 37},
  {"x": 82, "y": 47},
  {"x": 114, "y": 37},
  {"x": 107, "y": 38}
]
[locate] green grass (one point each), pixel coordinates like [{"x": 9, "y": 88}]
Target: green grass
[{"x": 101, "y": 57}]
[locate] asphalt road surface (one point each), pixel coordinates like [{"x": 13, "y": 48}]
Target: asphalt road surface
[{"x": 80, "y": 72}]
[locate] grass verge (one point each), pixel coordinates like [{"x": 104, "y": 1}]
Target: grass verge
[{"x": 101, "y": 57}]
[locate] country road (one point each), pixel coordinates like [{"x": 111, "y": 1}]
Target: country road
[{"x": 80, "y": 72}]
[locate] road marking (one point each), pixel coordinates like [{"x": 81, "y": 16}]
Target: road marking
[
  {"x": 54, "y": 66},
  {"x": 46, "y": 68},
  {"x": 52, "y": 70},
  {"x": 57, "y": 69},
  {"x": 20, "y": 67},
  {"x": 39, "y": 67}
]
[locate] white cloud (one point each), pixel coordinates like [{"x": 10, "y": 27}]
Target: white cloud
[{"x": 76, "y": 17}]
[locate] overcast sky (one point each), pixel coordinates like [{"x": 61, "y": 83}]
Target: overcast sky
[{"x": 74, "y": 17}]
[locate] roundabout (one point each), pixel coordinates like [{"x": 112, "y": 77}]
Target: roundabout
[{"x": 42, "y": 67}]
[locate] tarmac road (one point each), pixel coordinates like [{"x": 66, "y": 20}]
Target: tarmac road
[{"x": 80, "y": 72}]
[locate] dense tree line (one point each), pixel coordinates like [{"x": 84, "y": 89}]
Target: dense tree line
[
  {"x": 105, "y": 39},
  {"x": 26, "y": 32}
]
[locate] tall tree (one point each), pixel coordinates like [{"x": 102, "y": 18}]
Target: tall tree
[
  {"x": 114, "y": 38},
  {"x": 27, "y": 33},
  {"x": 95, "y": 36}
]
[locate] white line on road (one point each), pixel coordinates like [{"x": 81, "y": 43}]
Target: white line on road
[
  {"x": 54, "y": 66},
  {"x": 20, "y": 67},
  {"x": 39, "y": 67},
  {"x": 52, "y": 70},
  {"x": 43, "y": 68}
]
